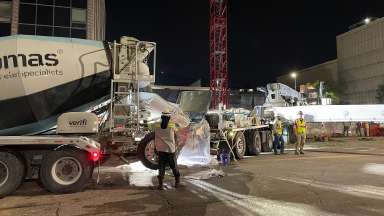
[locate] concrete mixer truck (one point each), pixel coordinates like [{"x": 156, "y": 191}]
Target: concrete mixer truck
[{"x": 47, "y": 84}]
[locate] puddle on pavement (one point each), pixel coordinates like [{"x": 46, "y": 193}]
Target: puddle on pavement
[{"x": 136, "y": 174}]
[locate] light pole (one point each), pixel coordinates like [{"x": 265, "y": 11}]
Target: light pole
[{"x": 294, "y": 76}]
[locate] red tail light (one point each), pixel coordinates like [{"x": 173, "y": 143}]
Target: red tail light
[{"x": 95, "y": 156}]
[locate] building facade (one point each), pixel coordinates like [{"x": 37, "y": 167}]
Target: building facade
[
  {"x": 359, "y": 68},
  {"x": 326, "y": 72},
  {"x": 360, "y": 54},
  {"x": 61, "y": 18}
]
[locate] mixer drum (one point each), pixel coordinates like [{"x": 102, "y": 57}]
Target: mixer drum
[{"x": 42, "y": 77}]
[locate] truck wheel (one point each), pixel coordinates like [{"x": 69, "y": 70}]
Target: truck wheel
[
  {"x": 146, "y": 152},
  {"x": 268, "y": 145},
  {"x": 254, "y": 144},
  {"x": 66, "y": 171},
  {"x": 12, "y": 171},
  {"x": 239, "y": 145}
]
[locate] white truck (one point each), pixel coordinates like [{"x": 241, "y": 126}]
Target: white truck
[{"x": 42, "y": 78}]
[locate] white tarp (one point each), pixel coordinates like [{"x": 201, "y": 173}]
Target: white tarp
[
  {"x": 195, "y": 137},
  {"x": 196, "y": 149},
  {"x": 333, "y": 113}
]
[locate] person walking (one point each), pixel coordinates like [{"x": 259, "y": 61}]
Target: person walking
[
  {"x": 301, "y": 133},
  {"x": 165, "y": 145},
  {"x": 278, "y": 136},
  {"x": 358, "y": 129},
  {"x": 345, "y": 129}
]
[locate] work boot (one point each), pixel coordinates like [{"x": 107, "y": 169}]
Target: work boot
[
  {"x": 177, "y": 181},
  {"x": 301, "y": 152},
  {"x": 161, "y": 186}
]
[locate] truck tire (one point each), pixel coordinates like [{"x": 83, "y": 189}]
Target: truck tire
[
  {"x": 268, "y": 145},
  {"x": 239, "y": 145},
  {"x": 146, "y": 152},
  {"x": 66, "y": 171},
  {"x": 254, "y": 143},
  {"x": 12, "y": 171}
]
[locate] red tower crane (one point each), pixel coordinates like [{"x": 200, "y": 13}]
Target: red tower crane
[{"x": 218, "y": 66}]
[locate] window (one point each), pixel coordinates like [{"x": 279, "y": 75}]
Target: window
[
  {"x": 66, "y": 3},
  {"x": 45, "y": 15},
  {"x": 44, "y": 30},
  {"x": 62, "y": 32},
  {"x": 62, "y": 16},
  {"x": 27, "y": 13},
  {"x": 45, "y": 2},
  {"x": 79, "y": 3},
  {"x": 78, "y": 33},
  {"x": 27, "y": 29},
  {"x": 79, "y": 17},
  {"x": 5, "y": 29},
  {"x": 28, "y": 1},
  {"x": 5, "y": 11}
]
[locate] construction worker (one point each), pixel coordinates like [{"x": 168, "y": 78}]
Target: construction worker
[
  {"x": 278, "y": 135},
  {"x": 166, "y": 147},
  {"x": 301, "y": 133}
]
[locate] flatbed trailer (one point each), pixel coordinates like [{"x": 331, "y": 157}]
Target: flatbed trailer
[
  {"x": 63, "y": 164},
  {"x": 241, "y": 141}
]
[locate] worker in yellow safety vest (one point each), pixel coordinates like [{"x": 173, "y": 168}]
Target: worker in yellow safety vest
[
  {"x": 278, "y": 136},
  {"x": 165, "y": 145},
  {"x": 301, "y": 133}
]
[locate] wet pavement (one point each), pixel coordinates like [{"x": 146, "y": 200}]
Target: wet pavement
[{"x": 341, "y": 177}]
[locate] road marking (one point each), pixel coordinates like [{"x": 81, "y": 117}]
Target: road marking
[
  {"x": 254, "y": 205},
  {"x": 364, "y": 191},
  {"x": 315, "y": 157}
]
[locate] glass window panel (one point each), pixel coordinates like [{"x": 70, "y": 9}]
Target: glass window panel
[
  {"x": 26, "y": 29},
  {"x": 61, "y": 32},
  {"x": 79, "y": 3},
  {"x": 5, "y": 11},
  {"x": 78, "y": 33},
  {"x": 62, "y": 16},
  {"x": 45, "y": 15},
  {"x": 66, "y": 3},
  {"x": 27, "y": 13},
  {"x": 45, "y": 2},
  {"x": 78, "y": 25},
  {"x": 79, "y": 15},
  {"x": 44, "y": 30},
  {"x": 5, "y": 29},
  {"x": 28, "y": 1}
]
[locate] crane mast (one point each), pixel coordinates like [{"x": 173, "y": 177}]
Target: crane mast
[{"x": 218, "y": 63}]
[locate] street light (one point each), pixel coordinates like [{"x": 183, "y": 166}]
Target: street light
[
  {"x": 294, "y": 76},
  {"x": 367, "y": 20}
]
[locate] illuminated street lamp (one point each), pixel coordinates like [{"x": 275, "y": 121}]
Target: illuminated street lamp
[
  {"x": 367, "y": 20},
  {"x": 294, "y": 76}
]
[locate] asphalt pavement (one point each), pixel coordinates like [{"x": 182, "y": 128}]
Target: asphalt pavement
[{"x": 340, "y": 177}]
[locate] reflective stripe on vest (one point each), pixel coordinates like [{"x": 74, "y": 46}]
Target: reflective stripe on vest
[{"x": 170, "y": 125}]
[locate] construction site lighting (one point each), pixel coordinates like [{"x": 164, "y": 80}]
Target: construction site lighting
[
  {"x": 293, "y": 75},
  {"x": 367, "y": 20}
]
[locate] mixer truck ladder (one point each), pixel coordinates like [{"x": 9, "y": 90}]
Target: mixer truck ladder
[{"x": 131, "y": 73}]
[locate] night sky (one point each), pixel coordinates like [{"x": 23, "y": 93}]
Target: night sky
[{"x": 265, "y": 40}]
